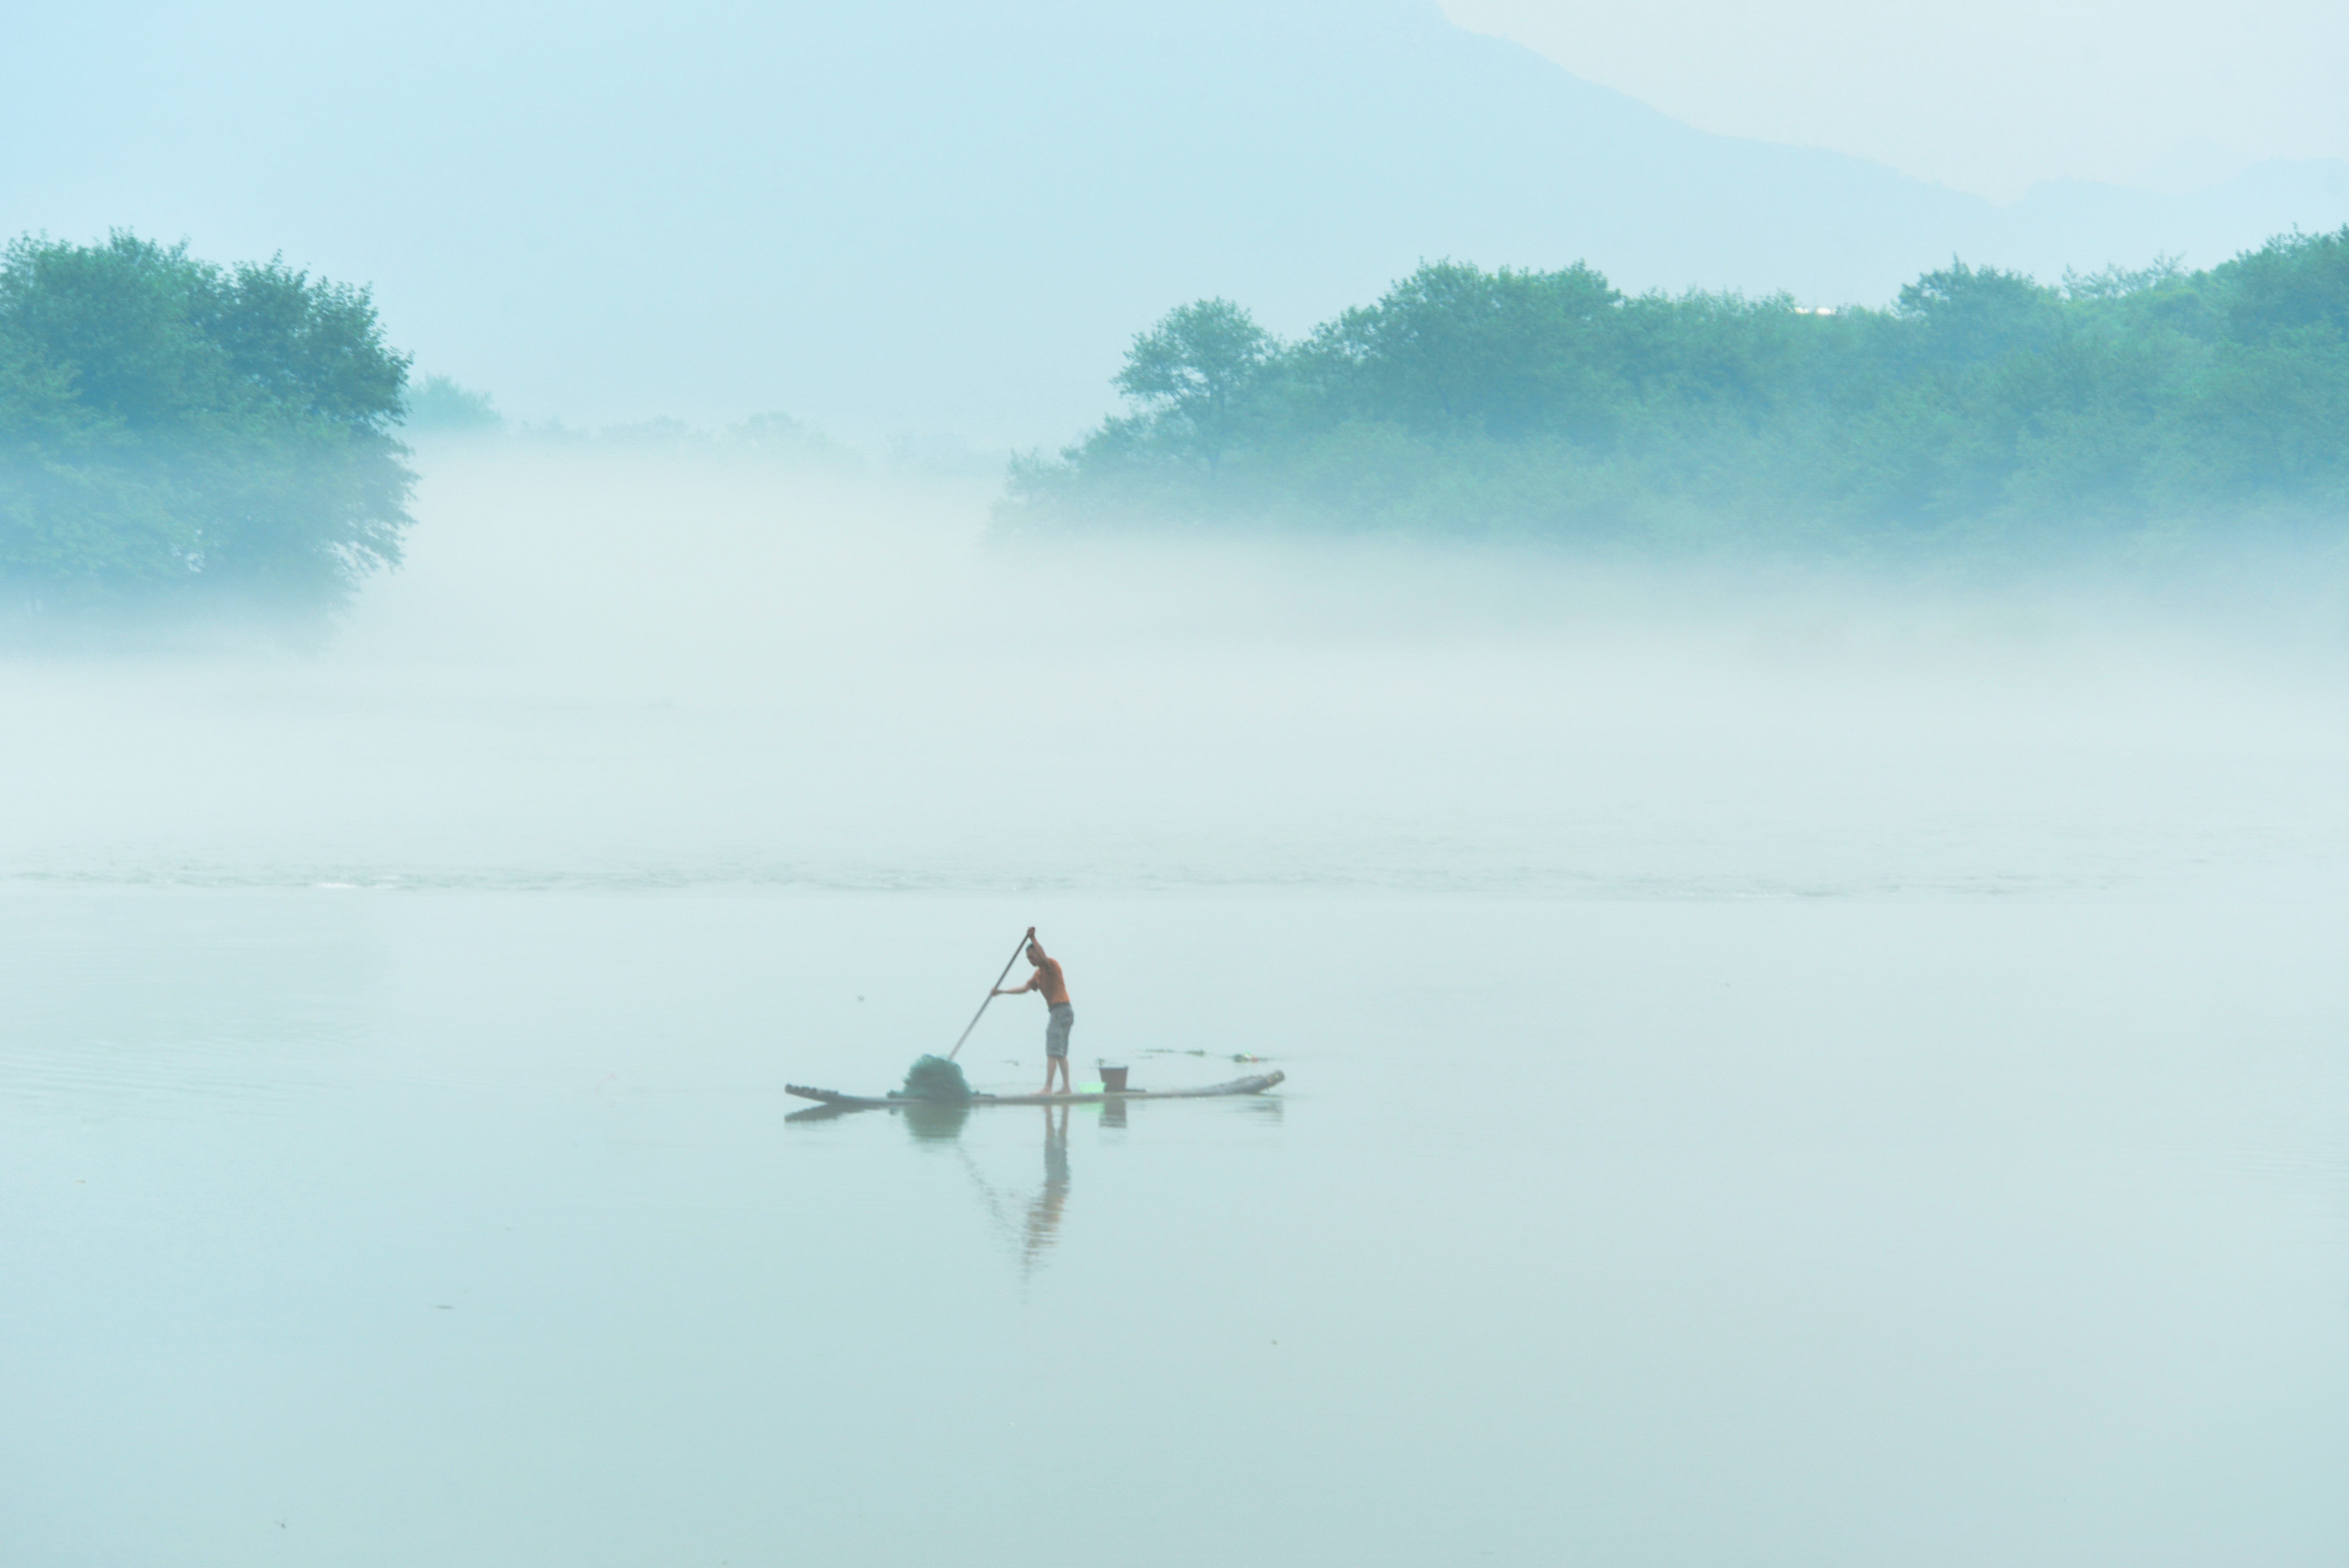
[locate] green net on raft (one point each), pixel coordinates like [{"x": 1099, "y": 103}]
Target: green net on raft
[{"x": 936, "y": 1078}]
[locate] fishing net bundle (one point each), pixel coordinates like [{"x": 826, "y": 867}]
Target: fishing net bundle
[{"x": 936, "y": 1078}]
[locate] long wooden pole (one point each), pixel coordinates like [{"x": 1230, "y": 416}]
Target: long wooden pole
[{"x": 992, "y": 990}]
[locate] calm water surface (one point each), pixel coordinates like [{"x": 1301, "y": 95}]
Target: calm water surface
[{"x": 391, "y": 1227}]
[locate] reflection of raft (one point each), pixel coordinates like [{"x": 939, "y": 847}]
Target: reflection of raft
[{"x": 839, "y": 1102}]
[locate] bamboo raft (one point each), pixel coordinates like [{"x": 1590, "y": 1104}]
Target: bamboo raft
[{"x": 838, "y": 1101}]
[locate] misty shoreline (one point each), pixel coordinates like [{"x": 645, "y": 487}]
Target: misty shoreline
[
  {"x": 231, "y": 451},
  {"x": 633, "y": 672}
]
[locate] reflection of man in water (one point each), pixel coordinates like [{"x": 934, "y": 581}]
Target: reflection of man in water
[
  {"x": 1048, "y": 979},
  {"x": 1044, "y": 1215}
]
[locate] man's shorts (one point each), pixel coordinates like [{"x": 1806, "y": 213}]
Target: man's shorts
[{"x": 1056, "y": 1032}]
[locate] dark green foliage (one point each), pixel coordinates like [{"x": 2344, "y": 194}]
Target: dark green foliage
[
  {"x": 1982, "y": 413},
  {"x": 1452, "y": 350},
  {"x": 2294, "y": 283},
  {"x": 1970, "y": 317},
  {"x": 171, "y": 429},
  {"x": 938, "y": 1079}
]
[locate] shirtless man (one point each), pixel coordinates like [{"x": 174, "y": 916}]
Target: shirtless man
[{"x": 1049, "y": 980}]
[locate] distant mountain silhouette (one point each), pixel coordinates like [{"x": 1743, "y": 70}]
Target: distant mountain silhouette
[{"x": 907, "y": 216}]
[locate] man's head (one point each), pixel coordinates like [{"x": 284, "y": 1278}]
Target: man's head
[{"x": 1035, "y": 952}]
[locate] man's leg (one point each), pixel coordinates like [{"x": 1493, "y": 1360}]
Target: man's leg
[{"x": 1055, "y": 1049}]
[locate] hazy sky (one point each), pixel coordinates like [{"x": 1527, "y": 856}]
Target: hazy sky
[
  {"x": 948, "y": 218},
  {"x": 1991, "y": 98}
]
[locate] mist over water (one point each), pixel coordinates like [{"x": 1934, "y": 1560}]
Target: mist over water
[
  {"x": 1781, "y": 1068},
  {"x": 643, "y": 670}
]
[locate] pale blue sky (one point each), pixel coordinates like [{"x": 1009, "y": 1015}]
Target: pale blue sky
[{"x": 1989, "y": 96}]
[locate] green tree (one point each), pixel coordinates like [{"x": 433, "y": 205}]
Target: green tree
[
  {"x": 2293, "y": 282},
  {"x": 172, "y": 426},
  {"x": 1970, "y": 315},
  {"x": 1982, "y": 414},
  {"x": 1196, "y": 369},
  {"x": 1454, "y": 348}
]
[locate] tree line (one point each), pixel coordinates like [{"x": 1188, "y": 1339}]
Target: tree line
[
  {"x": 1981, "y": 411},
  {"x": 174, "y": 432}
]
